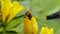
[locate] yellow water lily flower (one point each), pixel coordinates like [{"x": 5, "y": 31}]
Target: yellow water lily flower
[
  {"x": 10, "y": 9},
  {"x": 46, "y": 30}
]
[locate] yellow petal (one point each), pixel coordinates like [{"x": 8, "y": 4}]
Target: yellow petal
[
  {"x": 0, "y": 17},
  {"x": 16, "y": 8},
  {"x": 5, "y": 6},
  {"x": 51, "y": 31},
  {"x": 35, "y": 25},
  {"x": 1, "y": 1},
  {"x": 27, "y": 26},
  {"x": 45, "y": 30}
]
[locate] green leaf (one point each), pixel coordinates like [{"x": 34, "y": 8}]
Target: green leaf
[
  {"x": 18, "y": 29},
  {"x": 14, "y": 23},
  {"x": 1, "y": 29},
  {"x": 26, "y": 4},
  {"x": 42, "y": 8}
]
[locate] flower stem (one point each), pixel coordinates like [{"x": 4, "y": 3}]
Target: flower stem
[{"x": 4, "y": 29}]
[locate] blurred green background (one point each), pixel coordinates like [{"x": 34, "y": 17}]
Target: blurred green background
[{"x": 40, "y": 9}]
